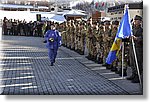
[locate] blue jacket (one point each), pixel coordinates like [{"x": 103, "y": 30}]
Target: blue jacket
[{"x": 56, "y": 39}]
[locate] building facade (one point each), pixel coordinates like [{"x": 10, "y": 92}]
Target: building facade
[
  {"x": 25, "y": 5},
  {"x": 116, "y": 12}
]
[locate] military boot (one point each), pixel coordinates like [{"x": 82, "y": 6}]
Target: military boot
[
  {"x": 95, "y": 59},
  {"x": 131, "y": 77},
  {"x": 52, "y": 64},
  {"x": 100, "y": 61},
  {"x": 78, "y": 51},
  {"x": 108, "y": 66},
  {"x": 135, "y": 79},
  {"x": 114, "y": 69},
  {"x": 88, "y": 57},
  {"x": 105, "y": 64},
  {"x": 82, "y": 52},
  {"x": 124, "y": 72},
  {"x": 45, "y": 41}
]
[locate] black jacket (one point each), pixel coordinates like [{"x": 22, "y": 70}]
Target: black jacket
[{"x": 138, "y": 32}]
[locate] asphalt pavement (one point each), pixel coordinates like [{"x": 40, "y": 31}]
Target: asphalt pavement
[{"x": 25, "y": 70}]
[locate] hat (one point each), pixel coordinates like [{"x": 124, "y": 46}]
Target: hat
[
  {"x": 115, "y": 22},
  {"x": 138, "y": 18},
  {"x": 107, "y": 22},
  {"x": 101, "y": 23}
]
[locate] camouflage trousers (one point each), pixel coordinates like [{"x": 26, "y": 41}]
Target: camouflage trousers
[
  {"x": 82, "y": 42},
  {"x": 72, "y": 41},
  {"x": 64, "y": 39},
  {"x": 106, "y": 50},
  {"x": 90, "y": 46},
  {"x": 118, "y": 61},
  {"x": 76, "y": 43},
  {"x": 99, "y": 50},
  {"x": 68, "y": 41}
]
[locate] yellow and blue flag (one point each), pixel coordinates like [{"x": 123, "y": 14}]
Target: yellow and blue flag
[{"x": 124, "y": 31}]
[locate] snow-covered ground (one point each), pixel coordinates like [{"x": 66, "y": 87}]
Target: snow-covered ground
[{"x": 21, "y": 15}]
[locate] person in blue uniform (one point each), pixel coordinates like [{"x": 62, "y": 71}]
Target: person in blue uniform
[{"x": 53, "y": 43}]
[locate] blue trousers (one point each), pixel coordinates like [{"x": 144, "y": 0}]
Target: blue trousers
[{"x": 52, "y": 53}]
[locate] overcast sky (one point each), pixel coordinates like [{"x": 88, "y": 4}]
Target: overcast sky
[
  {"x": 98, "y": 0},
  {"x": 73, "y": 0}
]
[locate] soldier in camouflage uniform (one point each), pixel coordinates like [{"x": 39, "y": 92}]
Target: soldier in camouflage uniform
[
  {"x": 100, "y": 42},
  {"x": 113, "y": 35},
  {"x": 68, "y": 34},
  {"x": 60, "y": 29},
  {"x": 82, "y": 38},
  {"x": 67, "y": 30},
  {"x": 94, "y": 41},
  {"x": 64, "y": 34},
  {"x": 119, "y": 59},
  {"x": 76, "y": 32},
  {"x": 44, "y": 28},
  {"x": 77, "y": 36},
  {"x": 72, "y": 35},
  {"x": 117, "y": 64},
  {"x": 89, "y": 39},
  {"x": 106, "y": 41}
]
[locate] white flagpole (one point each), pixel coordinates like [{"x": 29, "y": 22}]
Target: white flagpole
[
  {"x": 122, "y": 58},
  {"x": 136, "y": 62},
  {"x": 123, "y": 49}
]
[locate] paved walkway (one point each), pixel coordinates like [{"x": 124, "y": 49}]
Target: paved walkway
[{"x": 25, "y": 69}]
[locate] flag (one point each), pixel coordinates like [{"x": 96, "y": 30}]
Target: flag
[
  {"x": 124, "y": 31},
  {"x": 103, "y": 4},
  {"x": 96, "y": 5}
]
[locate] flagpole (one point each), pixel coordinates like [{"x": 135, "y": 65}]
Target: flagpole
[
  {"x": 133, "y": 44},
  {"x": 137, "y": 67},
  {"x": 123, "y": 50},
  {"x": 122, "y": 58}
]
